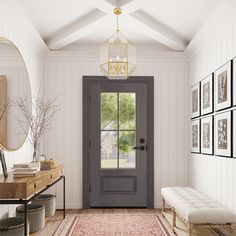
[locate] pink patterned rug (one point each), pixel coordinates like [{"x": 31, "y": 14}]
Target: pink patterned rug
[{"x": 112, "y": 224}]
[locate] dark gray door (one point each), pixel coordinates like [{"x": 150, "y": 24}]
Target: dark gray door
[{"x": 118, "y": 144}]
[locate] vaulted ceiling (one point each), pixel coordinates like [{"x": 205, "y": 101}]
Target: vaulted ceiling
[{"x": 167, "y": 24}]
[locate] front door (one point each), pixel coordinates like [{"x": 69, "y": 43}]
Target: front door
[{"x": 118, "y": 143}]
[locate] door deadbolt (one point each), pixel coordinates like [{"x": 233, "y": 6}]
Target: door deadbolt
[{"x": 142, "y": 140}]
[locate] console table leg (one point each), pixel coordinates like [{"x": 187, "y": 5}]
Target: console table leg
[
  {"x": 26, "y": 228},
  {"x": 64, "y": 198}
]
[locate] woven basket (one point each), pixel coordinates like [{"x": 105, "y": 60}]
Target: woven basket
[
  {"x": 12, "y": 226},
  {"x": 49, "y": 201},
  {"x": 36, "y": 216}
]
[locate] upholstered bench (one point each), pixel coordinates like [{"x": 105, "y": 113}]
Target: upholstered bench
[{"x": 196, "y": 209}]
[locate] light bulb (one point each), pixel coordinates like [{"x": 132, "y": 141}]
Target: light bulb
[
  {"x": 124, "y": 59},
  {"x": 117, "y": 58},
  {"x": 110, "y": 60}
]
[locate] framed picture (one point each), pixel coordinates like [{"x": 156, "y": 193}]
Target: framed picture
[
  {"x": 234, "y": 133},
  {"x": 195, "y": 136},
  {"x": 234, "y": 81},
  {"x": 195, "y": 100},
  {"x": 223, "y": 134},
  {"x": 207, "y": 135},
  {"x": 223, "y": 83},
  {"x": 207, "y": 95}
]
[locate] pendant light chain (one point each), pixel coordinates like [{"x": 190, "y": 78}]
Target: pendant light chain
[{"x": 117, "y": 22}]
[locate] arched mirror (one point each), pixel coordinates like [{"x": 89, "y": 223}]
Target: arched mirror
[{"x": 14, "y": 83}]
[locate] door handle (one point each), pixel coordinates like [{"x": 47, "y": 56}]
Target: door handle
[{"x": 142, "y": 148}]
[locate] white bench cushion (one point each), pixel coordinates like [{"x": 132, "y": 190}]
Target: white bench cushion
[{"x": 197, "y": 208}]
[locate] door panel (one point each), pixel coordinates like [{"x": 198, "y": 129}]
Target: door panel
[
  {"x": 119, "y": 124},
  {"x": 117, "y": 133}
]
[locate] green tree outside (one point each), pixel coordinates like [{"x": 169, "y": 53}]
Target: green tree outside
[{"x": 119, "y": 111}]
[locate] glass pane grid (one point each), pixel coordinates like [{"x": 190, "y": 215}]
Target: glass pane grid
[{"x": 118, "y": 130}]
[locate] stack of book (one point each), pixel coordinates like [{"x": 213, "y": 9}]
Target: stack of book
[{"x": 26, "y": 169}]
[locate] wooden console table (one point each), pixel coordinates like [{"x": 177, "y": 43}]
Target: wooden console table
[{"x": 25, "y": 189}]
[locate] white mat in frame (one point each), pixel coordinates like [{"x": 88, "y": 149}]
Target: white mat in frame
[
  {"x": 223, "y": 138},
  {"x": 195, "y": 136},
  {"x": 207, "y": 127}
]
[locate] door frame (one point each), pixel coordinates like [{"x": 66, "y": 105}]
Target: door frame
[{"x": 149, "y": 81}]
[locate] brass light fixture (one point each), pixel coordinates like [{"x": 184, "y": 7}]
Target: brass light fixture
[{"x": 118, "y": 56}]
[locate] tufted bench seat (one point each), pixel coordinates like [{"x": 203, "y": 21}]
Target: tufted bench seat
[{"x": 196, "y": 209}]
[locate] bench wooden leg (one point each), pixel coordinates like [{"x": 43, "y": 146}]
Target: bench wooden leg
[
  {"x": 174, "y": 220},
  {"x": 190, "y": 229},
  {"x": 163, "y": 207},
  {"x": 231, "y": 229}
]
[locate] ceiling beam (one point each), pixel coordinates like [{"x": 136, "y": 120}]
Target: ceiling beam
[
  {"x": 79, "y": 29},
  {"x": 102, "y": 5},
  {"x": 146, "y": 25},
  {"x": 132, "y": 15},
  {"x": 132, "y": 6}
]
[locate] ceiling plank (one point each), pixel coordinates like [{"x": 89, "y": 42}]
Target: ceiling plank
[{"x": 79, "y": 29}]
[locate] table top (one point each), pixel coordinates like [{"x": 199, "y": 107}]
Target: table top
[{"x": 24, "y": 187}]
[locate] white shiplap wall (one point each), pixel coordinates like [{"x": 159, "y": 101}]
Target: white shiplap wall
[
  {"x": 213, "y": 46},
  {"x": 63, "y": 75},
  {"x": 16, "y": 27}
]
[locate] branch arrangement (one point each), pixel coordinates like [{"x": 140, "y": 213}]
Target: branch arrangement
[{"x": 39, "y": 121}]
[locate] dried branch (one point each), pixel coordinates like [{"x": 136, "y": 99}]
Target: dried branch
[
  {"x": 5, "y": 105},
  {"x": 40, "y": 120}
]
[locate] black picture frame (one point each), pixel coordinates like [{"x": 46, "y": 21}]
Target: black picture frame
[
  {"x": 204, "y": 149},
  {"x": 3, "y": 163},
  {"x": 226, "y": 91},
  {"x": 223, "y": 132},
  {"x": 196, "y": 100},
  {"x": 207, "y": 84},
  {"x": 195, "y": 130}
]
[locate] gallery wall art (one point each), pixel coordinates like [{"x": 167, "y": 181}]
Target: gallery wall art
[
  {"x": 223, "y": 82},
  {"x": 213, "y": 115},
  {"x": 207, "y": 95},
  {"x": 195, "y": 100},
  {"x": 207, "y": 135},
  {"x": 195, "y": 136},
  {"x": 223, "y": 134}
]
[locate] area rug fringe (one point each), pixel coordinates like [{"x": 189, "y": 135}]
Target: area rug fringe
[{"x": 66, "y": 225}]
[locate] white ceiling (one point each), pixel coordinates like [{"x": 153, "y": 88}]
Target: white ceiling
[{"x": 167, "y": 24}]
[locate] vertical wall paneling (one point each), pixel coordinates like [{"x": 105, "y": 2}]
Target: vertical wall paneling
[
  {"x": 16, "y": 27},
  {"x": 213, "y": 46},
  {"x": 64, "y": 71}
]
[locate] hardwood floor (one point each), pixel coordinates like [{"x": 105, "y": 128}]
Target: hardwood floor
[{"x": 53, "y": 223}]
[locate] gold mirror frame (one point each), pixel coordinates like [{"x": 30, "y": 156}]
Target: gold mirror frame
[{"x": 28, "y": 91}]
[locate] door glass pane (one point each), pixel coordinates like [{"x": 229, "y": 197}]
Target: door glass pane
[
  {"x": 127, "y": 140},
  {"x": 118, "y": 130},
  {"x": 127, "y": 111},
  {"x": 108, "y": 149},
  {"x": 109, "y": 111}
]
